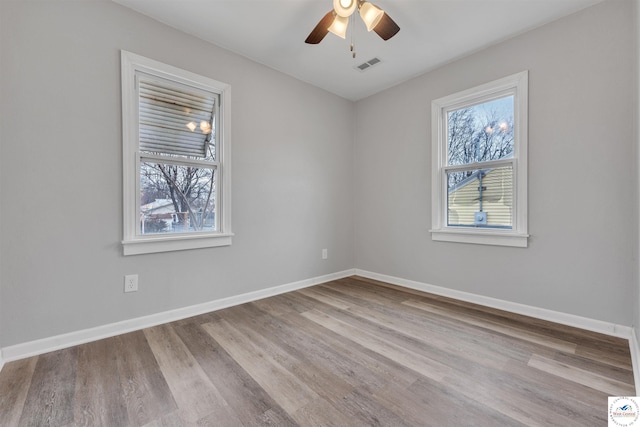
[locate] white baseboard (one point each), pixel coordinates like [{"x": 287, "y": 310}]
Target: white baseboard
[
  {"x": 513, "y": 307},
  {"x": 45, "y": 345},
  {"x": 635, "y": 358}
]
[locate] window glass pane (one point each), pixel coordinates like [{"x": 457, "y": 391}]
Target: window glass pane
[
  {"x": 176, "y": 121},
  {"x": 481, "y": 198},
  {"x": 176, "y": 199},
  {"x": 480, "y": 132}
]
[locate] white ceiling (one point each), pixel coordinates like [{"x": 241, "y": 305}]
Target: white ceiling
[{"x": 433, "y": 32}]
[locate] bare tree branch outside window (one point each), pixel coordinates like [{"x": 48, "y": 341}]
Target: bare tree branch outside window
[
  {"x": 190, "y": 189},
  {"x": 479, "y": 133}
]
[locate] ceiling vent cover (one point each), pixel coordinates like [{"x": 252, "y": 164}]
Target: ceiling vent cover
[{"x": 366, "y": 65}]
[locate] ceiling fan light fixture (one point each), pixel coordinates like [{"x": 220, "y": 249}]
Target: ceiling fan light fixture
[
  {"x": 370, "y": 14},
  {"x": 337, "y": 19},
  {"x": 344, "y": 8},
  {"x": 339, "y": 26}
]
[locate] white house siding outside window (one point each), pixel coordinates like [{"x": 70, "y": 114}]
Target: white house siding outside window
[
  {"x": 176, "y": 154},
  {"x": 479, "y": 164}
]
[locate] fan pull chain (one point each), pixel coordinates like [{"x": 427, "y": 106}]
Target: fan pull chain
[{"x": 352, "y": 28}]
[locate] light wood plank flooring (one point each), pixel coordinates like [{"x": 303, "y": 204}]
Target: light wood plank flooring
[{"x": 352, "y": 352}]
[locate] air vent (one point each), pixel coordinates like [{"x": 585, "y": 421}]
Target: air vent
[{"x": 366, "y": 65}]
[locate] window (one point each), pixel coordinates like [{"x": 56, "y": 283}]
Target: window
[
  {"x": 176, "y": 158},
  {"x": 479, "y": 162}
]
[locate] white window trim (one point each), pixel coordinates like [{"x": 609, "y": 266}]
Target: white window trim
[
  {"x": 516, "y": 84},
  {"x": 132, "y": 243}
]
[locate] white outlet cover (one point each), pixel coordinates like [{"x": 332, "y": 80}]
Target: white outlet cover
[{"x": 131, "y": 283}]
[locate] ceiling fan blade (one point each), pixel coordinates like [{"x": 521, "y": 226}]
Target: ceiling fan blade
[
  {"x": 387, "y": 27},
  {"x": 321, "y": 30}
]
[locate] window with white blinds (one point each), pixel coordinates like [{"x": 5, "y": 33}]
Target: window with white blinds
[
  {"x": 479, "y": 164},
  {"x": 176, "y": 154}
]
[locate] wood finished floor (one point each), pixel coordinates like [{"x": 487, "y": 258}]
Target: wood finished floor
[{"x": 352, "y": 352}]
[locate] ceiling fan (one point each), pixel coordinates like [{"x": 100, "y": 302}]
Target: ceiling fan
[{"x": 337, "y": 19}]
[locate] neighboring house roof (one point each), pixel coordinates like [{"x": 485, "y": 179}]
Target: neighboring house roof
[
  {"x": 158, "y": 206},
  {"x": 468, "y": 180}
]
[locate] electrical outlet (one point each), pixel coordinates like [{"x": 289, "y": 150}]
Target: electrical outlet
[
  {"x": 131, "y": 283},
  {"x": 325, "y": 255}
]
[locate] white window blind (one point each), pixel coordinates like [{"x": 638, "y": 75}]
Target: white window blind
[{"x": 174, "y": 119}]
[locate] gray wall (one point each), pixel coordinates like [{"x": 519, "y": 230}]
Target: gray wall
[
  {"x": 582, "y": 179},
  {"x": 61, "y": 174}
]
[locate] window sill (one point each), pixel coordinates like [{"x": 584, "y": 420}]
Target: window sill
[
  {"x": 481, "y": 237},
  {"x": 174, "y": 243}
]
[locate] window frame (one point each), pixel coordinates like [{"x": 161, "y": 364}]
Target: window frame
[
  {"x": 133, "y": 242},
  {"x": 517, "y": 236}
]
